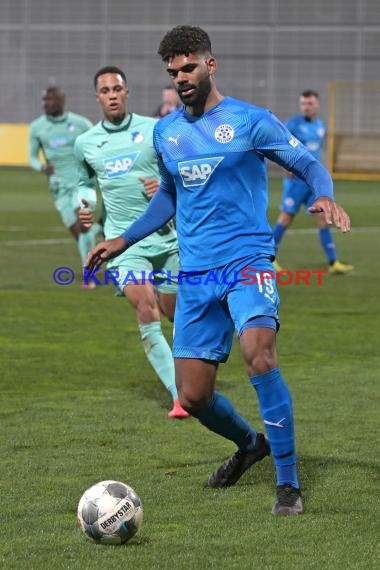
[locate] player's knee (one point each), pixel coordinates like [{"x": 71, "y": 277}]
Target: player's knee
[
  {"x": 259, "y": 350},
  {"x": 192, "y": 401},
  {"x": 285, "y": 219},
  {"x": 146, "y": 313},
  {"x": 144, "y": 306},
  {"x": 262, "y": 361}
]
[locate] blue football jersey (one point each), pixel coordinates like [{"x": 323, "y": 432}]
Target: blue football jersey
[
  {"x": 215, "y": 166},
  {"x": 310, "y": 133}
]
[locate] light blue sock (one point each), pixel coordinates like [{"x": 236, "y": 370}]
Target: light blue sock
[
  {"x": 221, "y": 417},
  {"x": 327, "y": 243},
  {"x": 86, "y": 241},
  {"x": 159, "y": 355},
  {"x": 276, "y": 410},
  {"x": 278, "y": 233},
  {"x": 96, "y": 229}
]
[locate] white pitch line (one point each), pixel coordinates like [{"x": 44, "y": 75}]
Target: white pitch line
[
  {"x": 51, "y": 241},
  {"x": 62, "y": 241},
  {"x": 30, "y": 229},
  {"x": 364, "y": 230}
]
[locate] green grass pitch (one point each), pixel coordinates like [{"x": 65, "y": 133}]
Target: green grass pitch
[{"x": 80, "y": 403}]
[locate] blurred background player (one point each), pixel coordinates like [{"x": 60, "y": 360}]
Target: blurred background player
[
  {"x": 308, "y": 128},
  {"x": 119, "y": 152},
  {"x": 54, "y": 133},
  {"x": 170, "y": 102}
]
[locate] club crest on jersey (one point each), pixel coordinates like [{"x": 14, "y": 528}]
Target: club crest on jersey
[
  {"x": 137, "y": 137},
  {"x": 120, "y": 165},
  {"x": 294, "y": 142},
  {"x": 224, "y": 133},
  {"x": 197, "y": 172},
  {"x": 289, "y": 202}
]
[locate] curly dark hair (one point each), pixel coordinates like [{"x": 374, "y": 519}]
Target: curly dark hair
[{"x": 183, "y": 40}]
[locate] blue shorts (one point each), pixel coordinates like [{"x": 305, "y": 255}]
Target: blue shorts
[
  {"x": 296, "y": 192},
  {"x": 213, "y": 303}
]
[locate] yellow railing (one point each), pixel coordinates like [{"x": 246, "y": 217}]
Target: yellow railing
[
  {"x": 353, "y": 139},
  {"x": 13, "y": 144}
]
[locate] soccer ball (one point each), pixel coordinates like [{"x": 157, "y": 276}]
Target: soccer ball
[{"x": 110, "y": 512}]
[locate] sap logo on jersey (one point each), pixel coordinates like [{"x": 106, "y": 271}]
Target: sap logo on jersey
[
  {"x": 57, "y": 142},
  {"x": 120, "y": 165},
  {"x": 313, "y": 146},
  {"x": 197, "y": 172}
]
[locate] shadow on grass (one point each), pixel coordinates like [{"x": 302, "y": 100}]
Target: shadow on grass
[{"x": 313, "y": 470}]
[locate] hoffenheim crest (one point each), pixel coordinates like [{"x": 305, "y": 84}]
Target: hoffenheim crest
[
  {"x": 137, "y": 137},
  {"x": 224, "y": 133}
]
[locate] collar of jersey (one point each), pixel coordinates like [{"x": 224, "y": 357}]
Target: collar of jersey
[
  {"x": 124, "y": 125},
  {"x": 60, "y": 119},
  {"x": 193, "y": 118}
]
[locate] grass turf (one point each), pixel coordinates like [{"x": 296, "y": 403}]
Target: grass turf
[{"x": 80, "y": 404}]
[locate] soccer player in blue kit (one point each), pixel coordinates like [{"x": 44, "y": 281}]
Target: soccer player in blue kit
[
  {"x": 212, "y": 158},
  {"x": 308, "y": 128}
]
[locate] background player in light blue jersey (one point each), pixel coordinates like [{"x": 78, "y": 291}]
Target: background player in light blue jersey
[
  {"x": 308, "y": 128},
  {"x": 55, "y": 134},
  {"x": 212, "y": 156}
]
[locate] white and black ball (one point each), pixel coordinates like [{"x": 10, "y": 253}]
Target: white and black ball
[{"x": 110, "y": 512}]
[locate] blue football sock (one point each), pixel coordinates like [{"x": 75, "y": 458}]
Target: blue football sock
[
  {"x": 327, "y": 243},
  {"x": 278, "y": 233},
  {"x": 221, "y": 417},
  {"x": 159, "y": 355},
  {"x": 276, "y": 410}
]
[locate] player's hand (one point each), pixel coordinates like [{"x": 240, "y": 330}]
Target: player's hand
[
  {"x": 86, "y": 215},
  {"x": 48, "y": 169},
  {"x": 151, "y": 185},
  {"x": 333, "y": 213},
  {"x": 104, "y": 251}
]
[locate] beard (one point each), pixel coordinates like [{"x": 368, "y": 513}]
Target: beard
[{"x": 200, "y": 94}]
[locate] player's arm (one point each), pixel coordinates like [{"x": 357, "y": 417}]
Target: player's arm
[
  {"x": 324, "y": 138},
  {"x": 275, "y": 142},
  {"x": 151, "y": 185},
  {"x": 33, "y": 158},
  {"x": 85, "y": 187},
  {"x": 160, "y": 210},
  {"x": 289, "y": 124}
]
